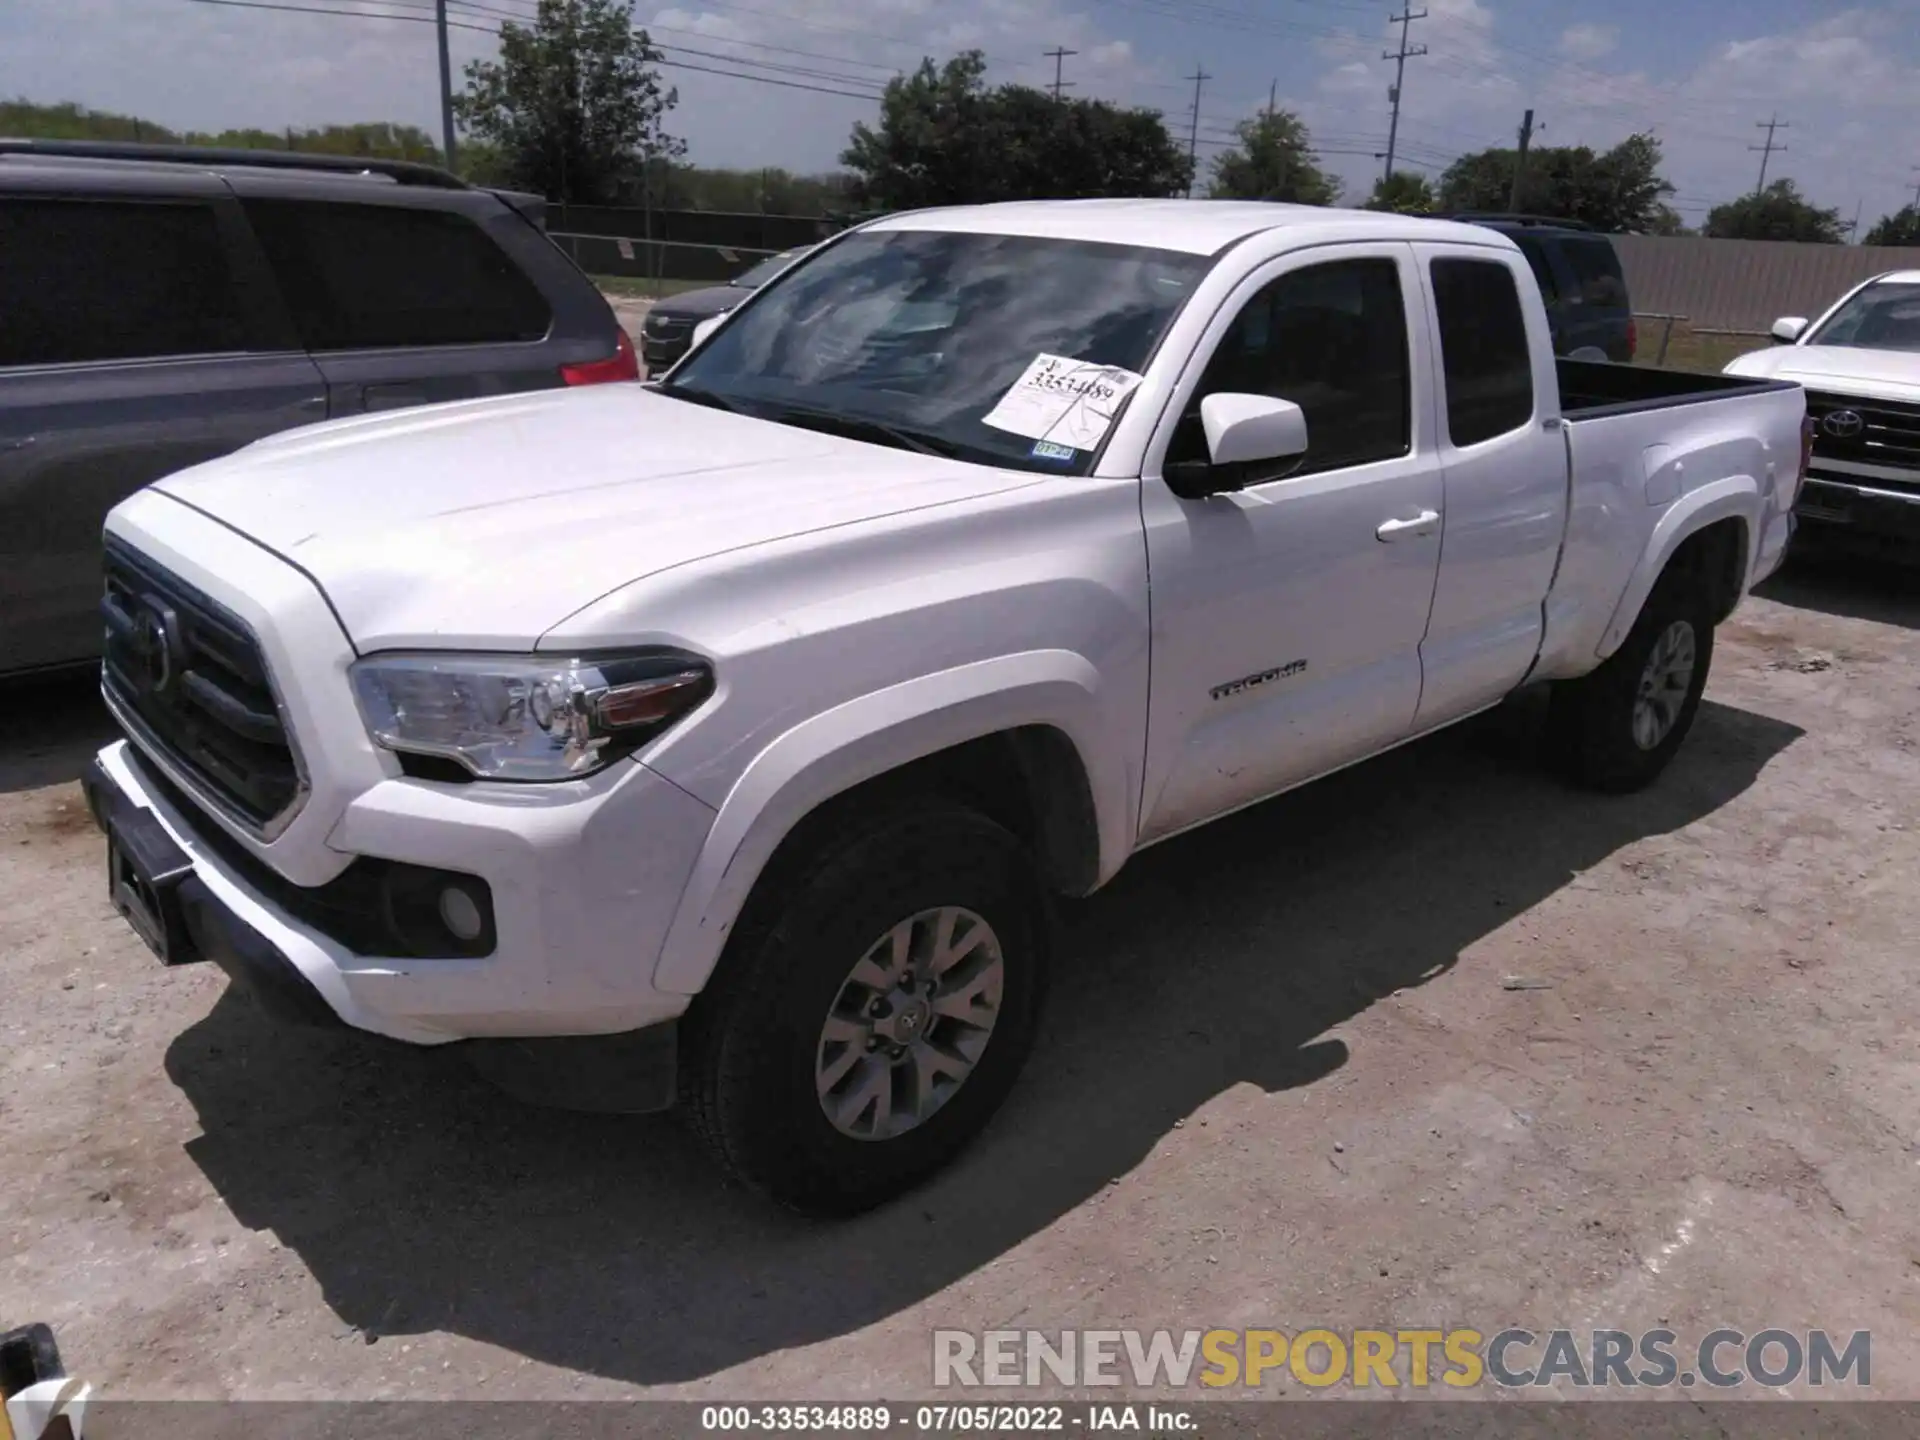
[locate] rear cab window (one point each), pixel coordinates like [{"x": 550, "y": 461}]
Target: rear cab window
[
  {"x": 381, "y": 277},
  {"x": 1486, "y": 361},
  {"x": 85, "y": 280}
]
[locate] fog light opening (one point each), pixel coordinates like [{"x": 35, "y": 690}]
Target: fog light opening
[{"x": 461, "y": 914}]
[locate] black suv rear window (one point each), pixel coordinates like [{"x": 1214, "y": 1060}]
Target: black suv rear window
[
  {"x": 376, "y": 277},
  {"x": 1601, "y": 283},
  {"x": 106, "y": 280}
]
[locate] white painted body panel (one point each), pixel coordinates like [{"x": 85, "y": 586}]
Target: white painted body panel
[
  {"x": 1841, "y": 369},
  {"x": 864, "y": 606},
  {"x": 1505, "y": 513}
]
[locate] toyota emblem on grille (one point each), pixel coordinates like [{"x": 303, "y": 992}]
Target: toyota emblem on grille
[
  {"x": 154, "y": 637},
  {"x": 1843, "y": 424}
]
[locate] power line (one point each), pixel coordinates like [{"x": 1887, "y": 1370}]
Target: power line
[
  {"x": 1766, "y": 151},
  {"x": 1404, "y": 20},
  {"x": 1058, "y": 55},
  {"x": 490, "y": 30},
  {"x": 1199, "y": 78}
]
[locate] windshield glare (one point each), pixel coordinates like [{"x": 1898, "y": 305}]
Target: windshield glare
[
  {"x": 1880, "y": 317},
  {"x": 760, "y": 274},
  {"x": 926, "y": 331}
]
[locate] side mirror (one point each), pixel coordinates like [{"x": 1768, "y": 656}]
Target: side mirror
[
  {"x": 1789, "y": 328},
  {"x": 705, "y": 328},
  {"x": 1251, "y": 439}
]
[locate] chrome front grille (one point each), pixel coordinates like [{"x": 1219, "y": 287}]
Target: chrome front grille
[
  {"x": 187, "y": 677},
  {"x": 1876, "y": 442}
]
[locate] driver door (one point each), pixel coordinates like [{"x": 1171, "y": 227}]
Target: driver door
[{"x": 1287, "y": 618}]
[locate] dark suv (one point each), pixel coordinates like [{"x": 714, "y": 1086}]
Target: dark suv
[
  {"x": 1580, "y": 279},
  {"x": 164, "y": 305}
]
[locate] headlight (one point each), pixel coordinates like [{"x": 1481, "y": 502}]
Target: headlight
[{"x": 531, "y": 717}]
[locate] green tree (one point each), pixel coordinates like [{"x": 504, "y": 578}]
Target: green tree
[
  {"x": 1618, "y": 190},
  {"x": 67, "y": 121},
  {"x": 1272, "y": 160},
  {"x": 1666, "y": 221},
  {"x": 1402, "y": 192},
  {"x": 376, "y": 140},
  {"x": 574, "y": 104},
  {"x": 1900, "y": 228},
  {"x": 944, "y": 138},
  {"x": 1779, "y": 212}
]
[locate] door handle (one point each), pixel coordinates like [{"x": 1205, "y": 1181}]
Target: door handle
[{"x": 1422, "y": 524}]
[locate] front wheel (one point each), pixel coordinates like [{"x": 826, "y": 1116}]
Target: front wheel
[
  {"x": 863, "y": 1037},
  {"x": 1616, "y": 729}
]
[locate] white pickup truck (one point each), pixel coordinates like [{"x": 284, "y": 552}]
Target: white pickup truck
[
  {"x": 1860, "y": 363},
  {"x": 722, "y": 740}
]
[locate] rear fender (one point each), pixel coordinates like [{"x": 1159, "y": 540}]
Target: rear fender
[
  {"x": 869, "y": 737},
  {"x": 1735, "y": 497}
]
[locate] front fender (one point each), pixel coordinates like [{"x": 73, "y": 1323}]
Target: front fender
[
  {"x": 869, "y": 736},
  {"x": 1735, "y": 497}
]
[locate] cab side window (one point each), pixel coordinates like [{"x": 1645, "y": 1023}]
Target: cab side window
[
  {"x": 1331, "y": 338},
  {"x": 1484, "y": 355}
]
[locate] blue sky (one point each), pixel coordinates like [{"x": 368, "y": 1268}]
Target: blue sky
[{"x": 1700, "y": 73}]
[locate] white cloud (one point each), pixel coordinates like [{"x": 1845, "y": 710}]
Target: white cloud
[{"x": 1589, "y": 42}]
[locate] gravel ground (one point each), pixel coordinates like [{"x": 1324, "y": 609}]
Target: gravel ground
[{"x": 1287, "y": 1080}]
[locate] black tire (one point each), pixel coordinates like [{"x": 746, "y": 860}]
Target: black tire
[
  {"x": 751, "y": 1040},
  {"x": 1590, "y": 725}
]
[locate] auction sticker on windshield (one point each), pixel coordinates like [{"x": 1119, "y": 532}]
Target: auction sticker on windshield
[{"x": 1067, "y": 402}]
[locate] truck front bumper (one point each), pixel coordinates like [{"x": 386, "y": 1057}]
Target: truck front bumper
[
  {"x": 562, "y": 1010},
  {"x": 1865, "y": 511}
]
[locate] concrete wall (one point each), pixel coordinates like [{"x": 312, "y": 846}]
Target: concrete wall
[{"x": 1744, "y": 285}]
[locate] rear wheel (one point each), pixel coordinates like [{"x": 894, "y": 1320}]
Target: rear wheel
[
  {"x": 871, "y": 1028},
  {"x": 1617, "y": 728}
]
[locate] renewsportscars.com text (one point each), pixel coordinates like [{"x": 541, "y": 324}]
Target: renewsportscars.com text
[{"x": 1393, "y": 1359}]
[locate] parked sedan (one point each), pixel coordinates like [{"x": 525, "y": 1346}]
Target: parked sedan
[{"x": 668, "y": 333}]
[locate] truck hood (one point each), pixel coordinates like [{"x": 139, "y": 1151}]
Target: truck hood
[
  {"x": 1876, "y": 374},
  {"x": 486, "y": 523}
]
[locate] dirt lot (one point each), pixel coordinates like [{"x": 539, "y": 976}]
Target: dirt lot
[{"x": 1285, "y": 1083}]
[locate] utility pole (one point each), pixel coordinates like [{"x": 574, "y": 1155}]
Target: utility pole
[
  {"x": 1916, "y": 188},
  {"x": 1404, "y": 20},
  {"x": 446, "y": 81},
  {"x": 1766, "y": 151},
  {"x": 1520, "y": 162},
  {"x": 1853, "y": 226},
  {"x": 1199, "y": 78},
  {"x": 1058, "y": 56}
]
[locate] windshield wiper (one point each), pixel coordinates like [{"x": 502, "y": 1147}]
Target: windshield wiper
[{"x": 858, "y": 427}]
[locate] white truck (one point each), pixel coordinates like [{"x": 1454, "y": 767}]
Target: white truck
[
  {"x": 1860, "y": 364},
  {"x": 721, "y": 741}
]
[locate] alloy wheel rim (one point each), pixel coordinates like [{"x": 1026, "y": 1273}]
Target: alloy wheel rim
[
  {"x": 1664, "y": 684},
  {"x": 909, "y": 1023}
]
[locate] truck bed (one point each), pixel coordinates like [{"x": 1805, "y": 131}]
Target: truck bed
[{"x": 1590, "y": 389}]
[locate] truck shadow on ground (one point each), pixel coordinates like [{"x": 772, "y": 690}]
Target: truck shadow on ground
[
  {"x": 422, "y": 1201},
  {"x": 1849, "y": 585},
  {"x": 50, "y": 727}
]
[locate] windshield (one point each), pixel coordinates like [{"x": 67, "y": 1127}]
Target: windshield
[
  {"x": 768, "y": 268},
  {"x": 969, "y": 345},
  {"x": 1881, "y": 317}
]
